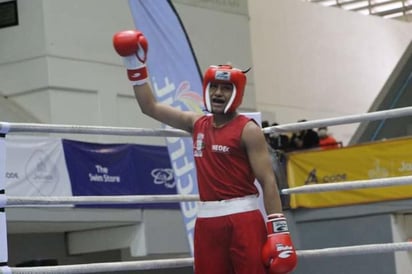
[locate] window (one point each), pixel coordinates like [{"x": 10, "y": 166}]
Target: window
[{"x": 8, "y": 13}]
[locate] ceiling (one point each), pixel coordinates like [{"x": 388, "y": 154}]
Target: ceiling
[
  {"x": 397, "y": 91},
  {"x": 394, "y": 9}
]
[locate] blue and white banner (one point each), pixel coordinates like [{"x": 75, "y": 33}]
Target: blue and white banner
[
  {"x": 177, "y": 81},
  {"x": 35, "y": 166},
  {"x": 119, "y": 169},
  {"x": 44, "y": 166}
]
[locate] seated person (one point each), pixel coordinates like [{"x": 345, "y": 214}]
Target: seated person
[
  {"x": 304, "y": 139},
  {"x": 278, "y": 141},
  {"x": 326, "y": 141}
]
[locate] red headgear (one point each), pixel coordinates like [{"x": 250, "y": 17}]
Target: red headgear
[{"x": 225, "y": 74}]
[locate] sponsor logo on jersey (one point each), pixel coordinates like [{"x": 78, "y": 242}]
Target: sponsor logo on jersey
[
  {"x": 199, "y": 145},
  {"x": 220, "y": 148}
]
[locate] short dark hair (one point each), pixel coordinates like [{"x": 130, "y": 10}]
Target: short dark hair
[{"x": 265, "y": 123}]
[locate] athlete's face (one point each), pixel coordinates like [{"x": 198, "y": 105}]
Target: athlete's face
[{"x": 220, "y": 94}]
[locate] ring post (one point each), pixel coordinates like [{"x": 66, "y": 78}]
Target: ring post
[{"x": 3, "y": 223}]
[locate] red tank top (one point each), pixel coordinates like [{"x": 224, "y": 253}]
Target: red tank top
[{"x": 222, "y": 165}]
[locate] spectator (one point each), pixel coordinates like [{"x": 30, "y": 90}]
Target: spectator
[
  {"x": 278, "y": 141},
  {"x": 326, "y": 141},
  {"x": 278, "y": 161},
  {"x": 304, "y": 139}
]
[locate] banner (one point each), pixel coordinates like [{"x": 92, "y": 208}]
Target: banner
[
  {"x": 390, "y": 158},
  {"x": 177, "y": 81},
  {"x": 119, "y": 169},
  {"x": 35, "y": 166},
  {"x": 45, "y": 166}
]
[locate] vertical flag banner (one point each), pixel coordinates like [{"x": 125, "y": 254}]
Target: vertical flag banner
[{"x": 176, "y": 80}]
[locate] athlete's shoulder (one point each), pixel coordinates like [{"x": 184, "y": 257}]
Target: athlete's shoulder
[
  {"x": 202, "y": 119},
  {"x": 252, "y": 132}
]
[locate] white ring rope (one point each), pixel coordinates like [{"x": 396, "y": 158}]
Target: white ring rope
[
  {"x": 356, "y": 250},
  {"x": 96, "y": 200},
  {"x": 6, "y": 127},
  {"x": 356, "y": 118},
  {"x": 136, "y": 199},
  {"x": 372, "y": 183},
  {"x": 105, "y": 267},
  {"x": 185, "y": 262}
]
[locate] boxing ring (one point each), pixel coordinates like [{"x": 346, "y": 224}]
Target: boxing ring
[{"x": 9, "y": 201}]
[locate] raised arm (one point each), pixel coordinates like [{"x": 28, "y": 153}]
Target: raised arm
[{"x": 132, "y": 46}]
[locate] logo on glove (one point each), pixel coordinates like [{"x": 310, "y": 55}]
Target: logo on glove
[
  {"x": 284, "y": 251},
  {"x": 280, "y": 226}
]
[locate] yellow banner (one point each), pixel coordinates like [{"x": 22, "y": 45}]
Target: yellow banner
[{"x": 391, "y": 158}]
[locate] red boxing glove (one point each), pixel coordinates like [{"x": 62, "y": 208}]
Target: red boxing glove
[
  {"x": 133, "y": 47},
  {"x": 278, "y": 253}
]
